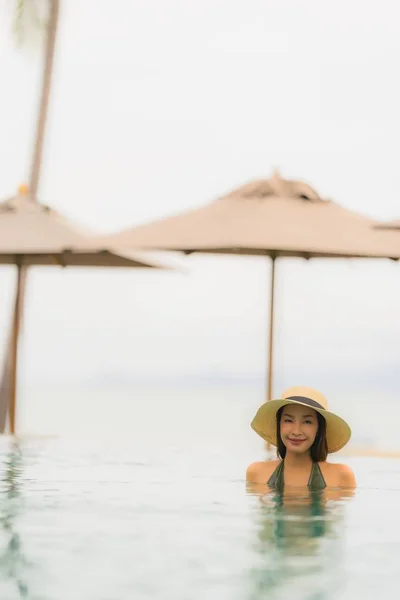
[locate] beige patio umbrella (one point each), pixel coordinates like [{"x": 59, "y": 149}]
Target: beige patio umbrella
[
  {"x": 272, "y": 217},
  {"x": 33, "y": 234}
]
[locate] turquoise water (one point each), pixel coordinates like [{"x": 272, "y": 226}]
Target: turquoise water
[
  {"x": 90, "y": 521},
  {"x": 161, "y": 510}
]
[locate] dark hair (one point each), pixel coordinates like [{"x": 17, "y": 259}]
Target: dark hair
[{"x": 319, "y": 449}]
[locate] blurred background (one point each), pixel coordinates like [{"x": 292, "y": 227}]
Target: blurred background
[{"x": 158, "y": 107}]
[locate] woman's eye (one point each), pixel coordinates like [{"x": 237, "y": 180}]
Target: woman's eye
[
  {"x": 288, "y": 420},
  {"x": 308, "y": 422}
]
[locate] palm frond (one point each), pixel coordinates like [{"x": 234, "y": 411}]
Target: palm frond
[{"x": 30, "y": 20}]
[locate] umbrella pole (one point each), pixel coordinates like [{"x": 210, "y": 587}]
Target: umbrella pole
[
  {"x": 271, "y": 332},
  {"x": 14, "y": 347},
  {"x": 271, "y": 338},
  {"x": 7, "y": 385}
]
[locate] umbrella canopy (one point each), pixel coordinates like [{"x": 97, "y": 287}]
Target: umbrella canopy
[
  {"x": 273, "y": 217},
  {"x": 34, "y": 234}
]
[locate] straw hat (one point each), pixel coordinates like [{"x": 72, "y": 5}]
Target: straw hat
[{"x": 338, "y": 432}]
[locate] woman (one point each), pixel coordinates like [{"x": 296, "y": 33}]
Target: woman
[{"x": 305, "y": 432}]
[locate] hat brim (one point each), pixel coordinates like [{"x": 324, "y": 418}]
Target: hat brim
[{"x": 338, "y": 432}]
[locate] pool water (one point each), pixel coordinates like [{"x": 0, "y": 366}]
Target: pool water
[
  {"x": 113, "y": 520},
  {"x": 143, "y": 496}
]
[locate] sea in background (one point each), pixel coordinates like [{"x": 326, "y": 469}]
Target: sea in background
[
  {"x": 209, "y": 409},
  {"x": 139, "y": 492}
]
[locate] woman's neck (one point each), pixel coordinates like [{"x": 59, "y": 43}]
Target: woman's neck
[{"x": 292, "y": 459}]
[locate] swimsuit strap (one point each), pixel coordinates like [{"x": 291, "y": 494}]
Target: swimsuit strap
[
  {"x": 276, "y": 481},
  {"x": 316, "y": 481}
]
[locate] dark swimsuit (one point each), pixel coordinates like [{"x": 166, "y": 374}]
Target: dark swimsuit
[{"x": 315, "y": 482}]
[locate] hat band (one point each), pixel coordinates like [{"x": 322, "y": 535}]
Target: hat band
[{"x": 305, "y": 400}]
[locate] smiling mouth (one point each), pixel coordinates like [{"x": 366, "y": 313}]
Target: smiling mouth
[{"x": 296, "y": 441}]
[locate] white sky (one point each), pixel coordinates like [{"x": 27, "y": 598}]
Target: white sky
[{"x": 162, "y": 105}]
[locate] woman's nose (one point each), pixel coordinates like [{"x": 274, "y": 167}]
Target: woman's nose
[{"x": 296, "y": 429}]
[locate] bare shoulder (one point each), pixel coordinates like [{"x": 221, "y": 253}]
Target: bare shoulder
[
  {"x": 347, "y": 476},
  {"x": 342, "y": 474},
  {"x": 260, "y": 472}
]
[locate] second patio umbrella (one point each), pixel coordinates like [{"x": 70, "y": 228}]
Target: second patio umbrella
[{"x": 273, "y": 217}]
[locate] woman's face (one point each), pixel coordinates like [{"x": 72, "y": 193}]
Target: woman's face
[{"x": 298, "y": 427}]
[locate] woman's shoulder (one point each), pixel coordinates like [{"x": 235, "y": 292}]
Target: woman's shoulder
[
  {"x": 260, "y": 472},
  {"x": 340, "y": 474}
]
